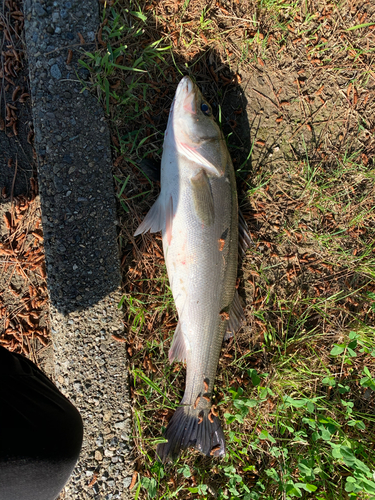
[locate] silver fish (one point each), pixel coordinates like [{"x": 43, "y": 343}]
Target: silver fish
[{"x": 197, "y": 212}]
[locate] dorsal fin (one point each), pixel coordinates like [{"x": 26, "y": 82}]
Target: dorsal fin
[
  {"x": 244, "y": 238},
  {"x": 236, "y": 317}
]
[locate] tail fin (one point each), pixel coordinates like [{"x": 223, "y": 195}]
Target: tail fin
[{"x": 192, "y": 428}]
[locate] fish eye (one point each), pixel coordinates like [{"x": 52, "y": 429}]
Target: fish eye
[{"x": 205, "y": 109}]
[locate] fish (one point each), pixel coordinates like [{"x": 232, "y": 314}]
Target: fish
[{"x": 197, "y": 213}]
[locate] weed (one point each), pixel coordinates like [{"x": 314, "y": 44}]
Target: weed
[{"x": 295, "y": 388}]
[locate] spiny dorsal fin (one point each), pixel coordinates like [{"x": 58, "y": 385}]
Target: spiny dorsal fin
[{"x": 244, "y": 238}]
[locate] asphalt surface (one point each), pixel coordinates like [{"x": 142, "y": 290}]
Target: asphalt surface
[{"x": 79, "y": 225}]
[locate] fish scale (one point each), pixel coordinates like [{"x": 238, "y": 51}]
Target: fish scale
[
  {"x": 197, "y": 212},
  {"x": 209, "y": 280}
]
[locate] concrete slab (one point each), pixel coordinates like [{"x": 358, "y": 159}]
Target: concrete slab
[{"x": 79, "y": 217}]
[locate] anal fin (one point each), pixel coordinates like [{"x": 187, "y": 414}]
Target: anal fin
[
  {"x": 169, "y": 219},
  {"x": 177, "y": 352}
]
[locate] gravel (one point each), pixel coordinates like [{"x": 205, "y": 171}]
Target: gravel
[{"x": 82, "y": 261}]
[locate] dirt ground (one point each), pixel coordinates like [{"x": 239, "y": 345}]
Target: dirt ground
[
  {"x": 24, "y": 324},
  {"x": 293, "y": 87},
  {"x": 23, "y": 290},
  {"x": 302, "y": 102}
]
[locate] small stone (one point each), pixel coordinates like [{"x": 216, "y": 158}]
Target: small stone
[
  {"x": 68, "y": 193},
  {"x": 127, "y": 481},
  {"x": 367, "y": 394},
  {"x": 67, "y": 159},
  {"x": 84, "y": 73},
  {"x": 98, "y": 456},
  {"x": 77, "y": 387},
  {"x": 75, "y": 267},
  {"x": 39, "y": 10},
  {"x": 107, "y": 416},
  {"x": 55, "y": 72},
  {"x": 58, "y": 30},
  {"x": 55, "y": 17}
]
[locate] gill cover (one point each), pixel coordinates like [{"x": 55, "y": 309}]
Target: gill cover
[{"x": 197, "y": 135}]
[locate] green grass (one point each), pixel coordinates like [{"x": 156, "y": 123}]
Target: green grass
[
  {"x": 309, "y": 442},
  {"x": 295, "y": 388},
  {"x": 300, "y": 426}
]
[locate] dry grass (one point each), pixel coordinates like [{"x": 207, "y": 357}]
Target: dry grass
[
  {"x": 293, "y": 87},
  {"x": 24, "y": 298},
  {"x": 23, "y": 292}
]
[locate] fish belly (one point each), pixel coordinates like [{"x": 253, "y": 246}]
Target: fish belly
[{"x": 202, "y": 264}]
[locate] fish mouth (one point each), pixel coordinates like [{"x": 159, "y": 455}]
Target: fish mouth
[
  {"x": 186, "y": 86},
  {"x": 186, "y": 96},
  {"x": 184, "y": 101}
]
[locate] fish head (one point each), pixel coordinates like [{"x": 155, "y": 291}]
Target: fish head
[{"x": 197, "y": 135}]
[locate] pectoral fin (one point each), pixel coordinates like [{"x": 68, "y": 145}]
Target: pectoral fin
[
  {"x": 214, "y": 168},
  {"x": 202, "y": 197}
]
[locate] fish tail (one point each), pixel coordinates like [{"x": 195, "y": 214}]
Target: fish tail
[{"x": 192, "y": 428}]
